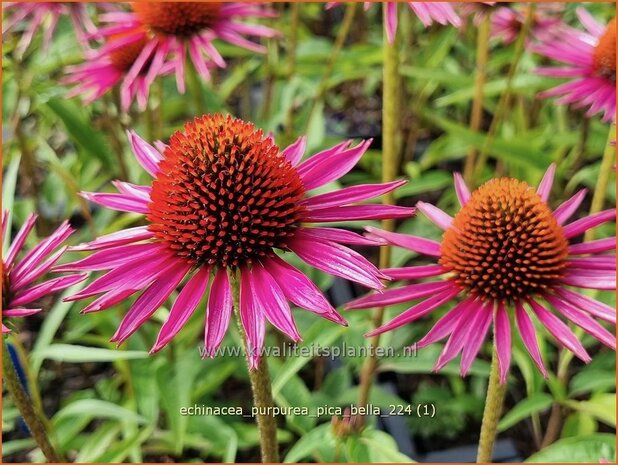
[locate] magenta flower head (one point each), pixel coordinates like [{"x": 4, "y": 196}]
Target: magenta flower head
[
  {"x": 18, "y": 276},
  {"x": 155, "y": 38},
  {"x": 34, "y": 15},
  {"x": 504, "y": 251},
  {"x": 428, "y": 12},
  {"x": 508, "y": 21},
  {"x": 590, "y": 59},
  {"x": 223, "y": 199}
]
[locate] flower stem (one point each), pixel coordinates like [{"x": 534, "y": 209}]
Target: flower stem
[
  {"x": 482, "y": 53},
  {"x": 390, "y": 152},
  {"x": 342, "y": 36},
  {"x": 496, "y": 393},
  {"x": 505, "y": 98},
  {"x": 262, "y": 391},
  {"x": 600, "y": 190},
  {"x": 25, "y": 406},
  {"x": 195, "y": 88}
]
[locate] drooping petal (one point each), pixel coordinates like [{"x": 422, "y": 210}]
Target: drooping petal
[
  {"x": 274, "y": 303},
  {"x": 592, "y": 247},
  {"x": 38, "y": 271},
  {"x": 110, "y": 258},
  {"x": 398, "y": 295},
  {"x": 184, "y": 306},
  {"x": 150, "y": 300},
  {"x": 120, "y": 202},
  {"x": 20, "y": 312},
  {"x": 414, "y": 243},
  {"x": 357, "y": 212},
  {"x": 19, "y": 239},
  {"x": 602, "y": 262},
  {"x": 528, "y": 336},
  {"x": 472, "y": 344},
  {"x": 502, "y": 339},
  {"x": 588, "y": 304},
  {"x": 417, "y": 311},
  {"x": 252, "y": 319},
  {"x": 25, "y": 296},
  {"x": 341, "y": 236},
  {"x": 300, "y": 290},
  {"x": 337, "y": 260},
  {"x": 445, "y": 325},
  {"x": 584, "y": 321},
  {"x": 218, "y": 312},
  {"x": 604, "y": 280},
  {"x": 560, "y": 331}
]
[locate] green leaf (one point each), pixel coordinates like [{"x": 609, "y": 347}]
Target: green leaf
[
  {"x": 582, "y": 449},
  {"x": 578, "y": 424},
  {"x": 383, "y": 448},
  {"x": 309, "y": 443},
  {"x": 83, "y": 354},
  {"x": 80, "y": 128},
  {"x": 96, "y": 408},
  {"x": 525, "y": 408},
  {"x": 602, "y": 407}
]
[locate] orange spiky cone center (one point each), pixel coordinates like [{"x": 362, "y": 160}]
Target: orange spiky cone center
[
  {"x": 224, "y": 195},
  {"x": 604, "y": 58},
  {"x": 123, "y": 57},
  {"x": 505, "y": 243},
  {"x": 178, "y": 18}
]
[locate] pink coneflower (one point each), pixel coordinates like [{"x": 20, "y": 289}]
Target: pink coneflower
[
  {"x": 45, "y": 15},
  {"x": 223, "y": 199},
  {"x": 505, "y": 250},
  {"x": 591, "y": 62},
  {"x": 160, "y": 35},
  {"x": 507, "y": 22},
  {"x": 427, "y": 12},
  {"x": 18, "y": 276}
]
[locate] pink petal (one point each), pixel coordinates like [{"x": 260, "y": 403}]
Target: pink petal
[
  {"x": 330, "y": 164},
  {"x": 26, "y": 296},
  {"x": 399, "y": 294},
  {"x": 584, "y": 224},
  {"x": 252, "y": 319},
  {"x": 417, "y": 311},
  {"x": 462, "y": 191},
  {"x": 476, "y": 337},
  {"x": 294, "y": 153},
  {"x": 341, "y": 236},
  {"x": 414, "y": 272},
  {"x": 38, "y": 271},
  {"x": 150, "y": 301},
  {"x": 528, "y": 336},
  {"x": 569, "y": 207},
  {"x": 274, "y": 303},
  {"x": 602, "y": 262},
  {"x": 584, "y": 321},
  {"x": 445, "y": 325},
  {"x": 184, "y": 306},
  {"x": 560, "y": 331},
  {"x": 588, "y": 304},
  {"x": 110, "y": 258},
  {"x": 19, "y": 239},
  {"x": 120, "y": 202},
  {"x": 349, "y": 195},
  {"x": 414, "y": 243},
  {"x": 435, "y": 215},
  {"x": 218, "y": 313},
  {"x": 547, "y": 182},
  {"x": 357, "y": 212},
  {"x": 390, "y": 21},
  {"x": 592, "y": 247},
  {"x": 502, "y": 340},
  {"x": 300, "y": 290},
  {"x": 20, "y": 312},
  {"x": 604, "y": 280},
  {"x": 117, "y": 238}
]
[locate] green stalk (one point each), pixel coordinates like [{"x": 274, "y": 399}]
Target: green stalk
[
  {"x": 390, "y": 152},
  {"x": 25, "y": 406},
  {"x": 195, "y": 88},
  {"x": 494, "y": 401},
  {"x": 505, "y": 98},
  {"x": 342, "y": 36},
  {"x": 482, "y": 54},
  {"x": 261, "y": 388}
]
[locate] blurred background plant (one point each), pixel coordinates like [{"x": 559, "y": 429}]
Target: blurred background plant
[{"x": 108, "y": 404}]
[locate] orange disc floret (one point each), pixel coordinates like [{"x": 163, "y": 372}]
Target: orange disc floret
[
  {"x": 604, "y": 59},
  {"x": 178, "y": 18},
  {"x": 505, "y": 243},
  {"x": 124, "y": 57},
  {"x": 224, "y": 195}
]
